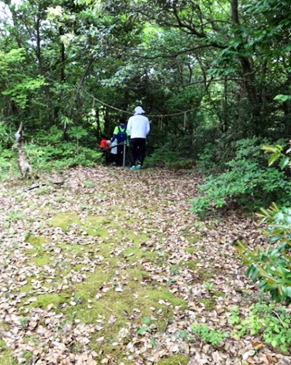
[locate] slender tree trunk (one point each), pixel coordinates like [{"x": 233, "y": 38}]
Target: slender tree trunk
[
  {"x": 38, "y": 46},
  {"x": 234, "y": 11},
  {"x": 98, "y": 128},
  {"x": 247, "y": 68},
  {"x": 224, "y": 112},
  {"x": 63, "y": 56}
]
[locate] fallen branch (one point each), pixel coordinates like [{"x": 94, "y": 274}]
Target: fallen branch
[{"x": 42, "y": 184}]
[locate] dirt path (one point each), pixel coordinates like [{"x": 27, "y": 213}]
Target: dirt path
[{"x": 113, "y": 268}]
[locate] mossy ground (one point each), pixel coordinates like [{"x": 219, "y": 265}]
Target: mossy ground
[
  {"x": 98, "y": 265},
  {"x": 174, "y": 360},
  {"x": 209, "y": 303},
  {"x": 135, "y": 302}
]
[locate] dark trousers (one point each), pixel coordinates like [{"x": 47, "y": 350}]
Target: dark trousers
[
  {"x": 137, "y": 150},
  {"x": 105, "y": 155},
  {"x": 113, "y": 159}
]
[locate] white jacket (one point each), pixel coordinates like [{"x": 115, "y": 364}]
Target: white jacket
[{"x": 138, "y": 126}]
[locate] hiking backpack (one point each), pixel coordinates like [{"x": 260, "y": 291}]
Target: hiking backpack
[{"x": 121, "y": 135}]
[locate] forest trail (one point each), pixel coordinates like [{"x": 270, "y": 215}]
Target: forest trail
[{"x": 112, "y": 268}]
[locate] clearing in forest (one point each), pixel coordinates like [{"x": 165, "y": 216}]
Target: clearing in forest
[{"x": 112, "y": 268}]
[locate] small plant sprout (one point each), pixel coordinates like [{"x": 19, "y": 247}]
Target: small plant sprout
[
  {"x": 23, "y": 321},
  {"x": 208, "y": 285},
  {"x": 208, "y": 335}
]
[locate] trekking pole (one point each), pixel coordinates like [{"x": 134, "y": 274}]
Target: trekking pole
[
  {"x": 124, "y": 153},
  {"x": 118, "y": 144}
]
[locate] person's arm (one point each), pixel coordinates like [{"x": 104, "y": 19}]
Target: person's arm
[
  {"x": 129, "y": 126},
  {"x": 127, "y": 137},
  {"x": 148, "y": 127}
]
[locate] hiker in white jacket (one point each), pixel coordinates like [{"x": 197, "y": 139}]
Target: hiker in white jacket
[{"x": 138, "y": 127}]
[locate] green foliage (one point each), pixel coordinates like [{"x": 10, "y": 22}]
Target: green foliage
[
  {"x": 279, "y": 225},
  {"x": 276, "y": 154},
  {"x": 147, "y": 326},
  {"x": 215, "y": 156},
  {"x": 53, "y": 136},
  {"x": 213, "y": 337},
  {"x": 5, "y": 134},
  {"x": 282, "y": 98},
  {"x": 174, "y": 153},
  {"x": 7, "y": 162},
  {"x": 43, "y": 84},
  {"x": 271, "y": 322},
  {"x": 208, "y": 285},
  {"x": 62, "y": 155},
  {"x": 19, "y": 86},
  {"x": 234, "y": 315},
  {"x": 21, "y": 91},
  {"x": 272, "y": 267},
  {"x": 246, "y": 181},
  {"x": 141, "y": 331},
  {"x": 65, "y": 122},
  {"x": 77, "y": 132}
]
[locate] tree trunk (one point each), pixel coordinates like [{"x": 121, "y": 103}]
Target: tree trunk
[
  {"x": 63, "y": 57},
  {"x": 247, "y": 68},
  {"x": 22, "y": 160}
]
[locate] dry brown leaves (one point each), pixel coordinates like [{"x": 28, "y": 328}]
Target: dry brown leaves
[{"x": 194, "y": 252}]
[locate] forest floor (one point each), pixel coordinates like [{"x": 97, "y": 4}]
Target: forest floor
[{"x": 112, "y": 268}]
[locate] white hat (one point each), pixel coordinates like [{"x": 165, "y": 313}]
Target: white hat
[{"x": 138, "y": 110}]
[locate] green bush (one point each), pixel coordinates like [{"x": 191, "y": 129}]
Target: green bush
[
  {"x": 247, "y": 181},
  {"x": 49, "y": 157},
  {"x": 213, "y": 337},
  {"x": 8, "y": 163},
  {"x": 6, "y": 136},
  {"x": 272, "y": 267},
  {"x": 62, "y": 155},
  {"x": 51, "y": 137},
  {"x": 271, "y": 322},
  {"x": 49, "y": 153},
  {"x": 215, "y": 156},
  {"x": 174, "y": 153}
]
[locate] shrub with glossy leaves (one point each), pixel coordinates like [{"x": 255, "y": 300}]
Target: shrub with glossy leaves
[{"x": 271, "y": 268}]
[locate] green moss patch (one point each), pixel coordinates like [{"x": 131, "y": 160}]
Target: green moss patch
[
  {"x": 117, "y": 295},
  {"x": 100, "y": 300},
  {"x": 175, "y": 360},
  {"x": 203, "y": 274},
  {"x": 65, "y": 220},
  {"x": 190, "y": 249},
  {"x": 218, "y": 293},
  {"x": 209, "y": 303},
  {"x": 44, "y": 300},
  {"x": 191, "y": 264},
  {"x": 41, "y": 259},
  {"x": 27, "y": 287},
  {"x": 6, "y": 358},
  {"x": 95, "y": 226},
  {"x": 36, "y": 240}
]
